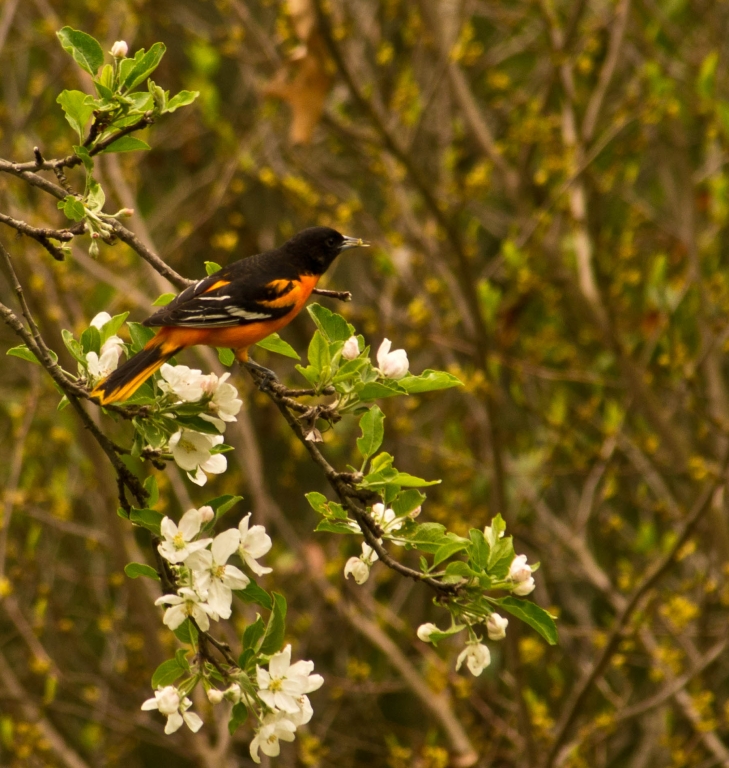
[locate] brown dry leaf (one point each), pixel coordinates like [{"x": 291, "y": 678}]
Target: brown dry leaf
[{"x": 303, "y": 81}]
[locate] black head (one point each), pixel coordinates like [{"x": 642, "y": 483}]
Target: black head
[{"x": 317, "y": 247}]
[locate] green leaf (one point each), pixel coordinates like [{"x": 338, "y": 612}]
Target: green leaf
[
  {"x": 96, "y": 198},
  {"x": 407, "y": 501},
  {"x": 428, "y": 381},
  {"x": 333, "y": 525},
  {"x": 222, "y": 504},
  {"x": 238, "y": 716},
  {"x": 113, "y": 325},
  {"x": 186, "y": 633},
  {"x": 373, "y": 432},
  {"x": 460, "y": 569},
  {"x": 226, "y": 356},
  {"x": 480, "y": 549},
  {"x": 182, "y": 99},
  {"x": 211, "y": 267},
  {"x": 375, "y": 390},
  {"x": 150, "y": 485},
  {"x": 253, "y": 633},
  {"x": 166, "y": 673},
  {"x": 428, "y": 537},
  {"x": 91, "y": 340},
  {"x": 73, "y": 346},
  {"x": 196, "y": 424},
  {"x": 86, "y": 51},
  {"x": 140, "y": 335},
  {"x": 448, "y": 549},
  {"x": 163, "y": 300},
  {"x": 63, "y": 403},
  {"x": 318, "y": 352},
  {"x": 143, "y": 65},
  {"x": 86, "y": 158},
  {"x": 436, "y": 637},
  {"x": 274, "y": 343},
  {"x": 332, "y": 326},
  {"x": 147, "y": 518},
  {"x": 276, "y": 629},
  {"x": 72, "y": 208},
  {"x": 317, "y": 501},
  {"x": 23, "y": 353},
  {"x": 254, "y": 594},
  {"x": 126, "y": 144},
  {"x": 531, "y": 614},
  {"x": 181, "y": 657},
  {"x": 135, "y": 570}
]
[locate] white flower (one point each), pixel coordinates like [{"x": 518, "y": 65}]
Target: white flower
[
  {"x": 178, "y": 540},
  {"x": 254, "y": 543},
  {"x": 275, "y": 726},
  {"x": 170, "y": 702},
  {"x": 213, "y": 576},
  {"x": 100, "y": 320},
  {"x": 496, "y": 626},
  {"x": 188, "y": 603},
  {"x": 100, "y": 366},
  {"x": 283, "y": 683},
  {"x": 519, "y": 570},
  {"x": 386, "y": 518},
  {"x": 477, "y": 657},
  {"x": 524, "y": 587},
  {"x": 215, "y": 696},
  {"x": 186, "y": 383},
  {"x": 305, "y": 713},
  {"x": 224, "y": 404},
  {"x": 350, "y": 350},
  {"x": 119, "y": 50},
  {"x": 426, "y": 630},
  {"x": 206, "y": 514},
  {"x": 393, "y": 365},
  {"x": 359, "y": 567},
  {"x": 191, "y": 451}
]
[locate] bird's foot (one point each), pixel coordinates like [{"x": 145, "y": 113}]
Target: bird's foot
[{"x": 264, "y": 377}]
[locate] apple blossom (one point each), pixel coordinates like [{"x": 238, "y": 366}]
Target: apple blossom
[
  {"x": 215, "y": 696},
  {"x": 283, "y": 682},
  {"x": 186, "y": 383},
  {"x": 212, "y": 575},
  {"x": 477, "y": 657},
  {"x": 496, "y": 626},
  {"x": 191, "y": 451},
  {"x": 519, "y": 570},
  {"x": 350, "y": 350},
  {"x": 254, "y": 543},
  {"x": 100, "y": 320},
  {"x": 275, "y": 726},
  {"x": 178, "y": 541},
  {"x": 187, "y": 603},
  {"x": 359, "y": 567},
  {"x": 224, "y": 402},
  {"x": 101, "y": 365},
  {"x": 524, "y": 588},
  {"x": 393, "y": 365},
  {"x": 206, "y": 514},
  {"x": 170, "y": 702}
]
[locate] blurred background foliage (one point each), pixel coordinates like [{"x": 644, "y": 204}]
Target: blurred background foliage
[{"x": 545, "y": 185}]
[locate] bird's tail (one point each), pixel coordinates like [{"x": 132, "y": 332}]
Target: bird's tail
[{"x": 125, "y": 380}]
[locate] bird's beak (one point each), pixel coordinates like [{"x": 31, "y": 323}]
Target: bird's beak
[{"x": 353, "y": 242}]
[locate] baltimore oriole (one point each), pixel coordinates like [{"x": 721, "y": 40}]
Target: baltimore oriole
[{"x": 235, "y": 307}]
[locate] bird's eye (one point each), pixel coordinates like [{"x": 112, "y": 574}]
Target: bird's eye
[{"x": 331, "y": 242}]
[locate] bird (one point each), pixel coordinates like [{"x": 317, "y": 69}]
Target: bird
[{"x": 235, "y": 307}]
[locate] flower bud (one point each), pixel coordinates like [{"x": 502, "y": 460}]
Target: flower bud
[
  {"x": 426, "y": 630},
  {"x": 350, "y": 350},
  {"x": 119, "y": 50},
  {"x": 233, "y": 693},
  {"x": 206, "y": 514},
  {"x": 519, "y": 570},
  {"x": 524, "y": 587},
  {"x": 126, "y": 212},
  {"x": 215, "y": 696},
  {"x": 94, "y": 250},
  {"x": 496, "y": 626},
  {"x": 358, "y": 569}
]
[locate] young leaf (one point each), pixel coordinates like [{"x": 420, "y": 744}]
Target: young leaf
[
  {"x": 448, "y": 549},
  {"x": 23, "y": 353},
  {"x": 166, "y": 673},
  {"x": 276, "y": 629},
  {"x": 274, "y": 343},
  {"x": 147, "y": 518},
  {"x": 163, "y": 300},
  {"x": 332, "y": 326},
  {"x": 86, "y": 51},
  {"x": 318, "y": 352},
  {"x": 140, "y": 335},
  {"x": 254, "y": 594},
  {"x": 428, "y": 381},
  {"x": 375, "y": 390},
  {"x": 226, "y": 356},
  {"x": 253, "y": 633},
  {"x": 126, "y": 144},
  {"x": 373, "y": 432},
  {"x": 86, "y": 158},
  {"x": 144, "y": 66},
  {"x": 182, "y": 99},
  {"x": 238, "y": 716},
  {"x": 135, "y": 570},
  {"x": 222, "y": 504},
  {"x": 72, "y": 208},
  {"x": 150, "y": 485},
  {"x": 531, "y": 614},
  {"x": 407, "y": 501},
  {"x": 91, "y": 340},
  {"x": 186, "y": 633},
  {"x": 211, "y": 267}
]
